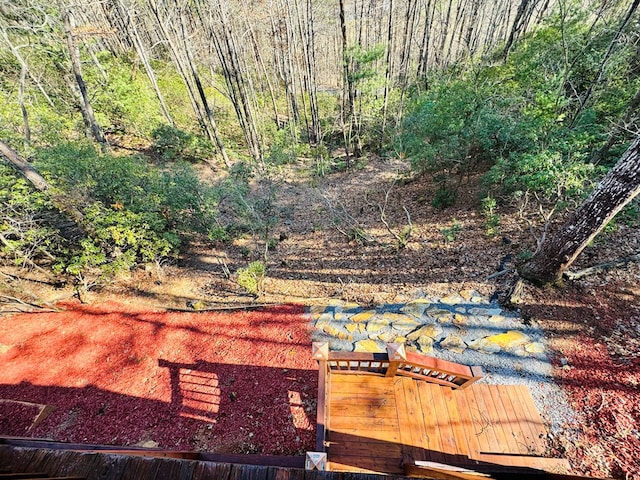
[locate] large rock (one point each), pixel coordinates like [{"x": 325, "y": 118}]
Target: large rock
[
  {"x": 534, "y": 347},
  {"x": 387, "y": 337},
  {"x": 510, "y": 340},
  {"x": 369, "y": 346},
  {"x": 351, "y": 327},
  {"x": 459, "y": 319},
  {"x": 452, "y": 299},
  {"x": 414, "y": 309},
  {"x": 468, "y": 293},
  {"x": 377, "y": 324},
  {"x": 425, "y": 345},
  {"x": 324, "y": 320},
  {"x": 487, "y": 312},
  {"x": 454, "y": 343},
  {"x": 436, "y": 312},
  {"x": 363, "y": 316},
  {"x": 406, "y": 324},
  {"x": 432, "y": 330},
  {"x": 337, "y": 332},
  {"x": 482, "y": 345}
]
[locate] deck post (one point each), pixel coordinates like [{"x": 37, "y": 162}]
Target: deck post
[
  {"x": 396, "y": 354},
  {"x": 320, "y": 352},
  {"x": 315, "y": 461}
]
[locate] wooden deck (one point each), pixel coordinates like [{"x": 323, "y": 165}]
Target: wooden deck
[{"x": 380, "y": 423}]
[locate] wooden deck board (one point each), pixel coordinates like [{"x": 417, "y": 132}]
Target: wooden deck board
[
  {"x": 410, "y": 419},
  {"x": 496, "y": 424},
  {"x": 459, "y": 432},
  {"x": 481, "y": 423},
  {"x": 377, "y": 423},
  {"x": 524, "y": 436},
  {"x": 440, "y": 416},
  {"x": 433, "y": 440},
  {"x": 536, "y": 425}
]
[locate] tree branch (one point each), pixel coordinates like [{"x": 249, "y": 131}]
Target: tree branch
[{"x": 601, "y": 267}]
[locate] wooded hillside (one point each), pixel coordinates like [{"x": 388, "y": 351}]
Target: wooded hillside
[{"x": 119, "y": 106}]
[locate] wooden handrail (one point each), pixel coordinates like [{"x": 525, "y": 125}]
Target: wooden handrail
[{"x": 397, "y": 361}]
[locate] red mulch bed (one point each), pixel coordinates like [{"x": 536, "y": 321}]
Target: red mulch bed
[
  {"x": 16, "y": 418},
  {"x": 232, "y": 382},
  {"x": 598, "y": 365}
]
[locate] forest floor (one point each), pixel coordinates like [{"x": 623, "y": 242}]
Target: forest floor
[{"x": 331, "y": 243}]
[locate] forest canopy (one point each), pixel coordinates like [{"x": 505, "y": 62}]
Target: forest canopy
[{"x": 162, "y": 121}]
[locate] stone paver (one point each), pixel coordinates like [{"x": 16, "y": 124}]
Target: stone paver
[{"x": 454, "y": 323}]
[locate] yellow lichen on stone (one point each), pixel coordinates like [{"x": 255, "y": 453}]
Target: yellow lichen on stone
[
  {"x": 509, "y": 340},
  {"x": 459, "y": 319},
  {"x": 368, "y": 345},
  {"x": 363, "y": 316},
  {"x": 431, "y": 330}
]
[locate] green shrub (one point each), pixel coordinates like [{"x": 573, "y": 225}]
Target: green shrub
[
  {"x": 525, "y": 255},
  {"x": 172, "y": 144},
  {"x": 456, "y": 128},
  {"x": 491, "y": 218},
  {"x": 29, "y": 231},
  {"x": 119, "y": 240},
  {"x": 451, "y": 233},
  {"x": 550, "y": 174},
  {"x": 444, "y": 197},
  {"x": 138, "y": 212},
  {"x": 125, "y": 101},
  {"x": 252, "y": 277}
]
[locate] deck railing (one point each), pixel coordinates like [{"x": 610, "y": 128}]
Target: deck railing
[{"x": 395, "y": 361}]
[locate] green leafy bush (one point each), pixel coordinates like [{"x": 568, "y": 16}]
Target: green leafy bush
[
  {"x": 488, "y": 207},
  {"x": 550, "y": 174},
  {"x": 456, "y": 128},
  {"x": 137, "y": 212},
  {"x": 172, "y": 144},
  {"x": 252, "y": 277},
  {"x": 124, "y": 102},
  {"x": 29, "y": 231},
  {"x": 444, "y": 197},
  {"x": 451, "y": 233}
]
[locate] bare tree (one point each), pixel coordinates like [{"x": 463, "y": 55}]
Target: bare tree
[
  {"x": 129, "y": 26},
  {"x": 90, "y": 122},
  {"x": 180, "y": 49}
]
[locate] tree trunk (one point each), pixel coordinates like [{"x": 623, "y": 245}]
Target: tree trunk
[
  {"x": 349, "y": 101},
  {"x": 516, "y": 27},
  {"x": 387, "y": 72},
  {"x": 23, "y": 108},
  {"x": 423, "y": 59},
  {"x": 614, "y": 191},
  {"x": 85, "y": 103},
  {"x": 23, "y": 167}
]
